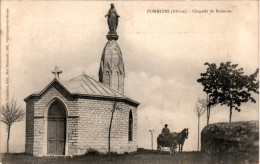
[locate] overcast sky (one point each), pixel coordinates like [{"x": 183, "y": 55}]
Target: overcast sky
[{"x": 163, "y": 54}]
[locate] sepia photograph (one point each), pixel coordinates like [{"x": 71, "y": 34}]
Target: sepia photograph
[{"x": 129, "y": 82}]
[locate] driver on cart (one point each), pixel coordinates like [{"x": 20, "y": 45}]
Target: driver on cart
[{"x": 165, "y": 130}]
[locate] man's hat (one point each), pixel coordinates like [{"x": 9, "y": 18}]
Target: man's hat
[{"x": 165, "y": 125}]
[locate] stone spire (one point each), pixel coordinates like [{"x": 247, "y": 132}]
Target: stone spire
[{"x": 111, "y": 70}]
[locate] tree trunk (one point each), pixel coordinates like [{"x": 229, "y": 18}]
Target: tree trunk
[
  {"x": 209, "y": 114},
  {"x": 8, "y": 137},
  {"x": 198, "y": 133},
  {"x": 230, "y": 114},
  {"x": 231, "y": 104},
  {"x": 109, "y": 132},
  {"x": 208, "y": 109}
]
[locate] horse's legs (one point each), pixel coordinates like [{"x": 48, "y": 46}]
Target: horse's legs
[
  {"x": 181, "y": 147},
  {"x": 159, "y": 148},
  {"x": 172, "y": 149}
]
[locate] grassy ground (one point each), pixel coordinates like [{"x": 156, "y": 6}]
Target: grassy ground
[{"x": 142, "y": 156}]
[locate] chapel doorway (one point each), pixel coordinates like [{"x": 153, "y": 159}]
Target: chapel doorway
[{"x": 56, "y": 135}]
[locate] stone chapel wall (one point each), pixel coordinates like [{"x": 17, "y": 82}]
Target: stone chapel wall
[
  {"x": 87, "y": 124},
  {"x": 40, "y": 120},
  {"x": 94, "y": 127},
  {"x": 29, "y": 139}
]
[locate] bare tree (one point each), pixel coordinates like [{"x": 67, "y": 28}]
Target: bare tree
[
  {"x": 199, "y": 111},
  {"x": 207, "y": 105},
  {"x": 114, "y": 108},
  {"x": 11, "y": 113}
]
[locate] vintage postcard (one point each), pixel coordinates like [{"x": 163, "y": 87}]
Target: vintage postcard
[{"x": 129, "y": 81}]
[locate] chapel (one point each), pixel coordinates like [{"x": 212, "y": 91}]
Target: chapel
[{"x": 73, "y": 117}]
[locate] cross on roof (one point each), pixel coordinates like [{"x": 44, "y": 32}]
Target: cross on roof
[{"x": 56, "y": 72}]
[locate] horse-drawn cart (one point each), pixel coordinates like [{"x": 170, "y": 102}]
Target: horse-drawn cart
[
  {"x": 172, "y": 140},
  {"x": 166, "y": 141}
]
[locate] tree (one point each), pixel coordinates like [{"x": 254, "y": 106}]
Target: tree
[
  {"x": 227, "y": 85},
  {"x": 11, "y": 113},
  {"x": 199, "y": 111},
  {"x": 114, "y": 108},
  {"x": 207, "y": 105},
  {"x": 208, "y": 80}
]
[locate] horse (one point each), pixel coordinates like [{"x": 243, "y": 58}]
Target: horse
[
  {"x": 166, "y": 141},
  {"x": 180, "y": 138}
]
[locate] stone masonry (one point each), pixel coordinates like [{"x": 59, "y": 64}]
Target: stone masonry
[
  {"x": 87, "y": 124},
  {"x": 234, "y": 139}
]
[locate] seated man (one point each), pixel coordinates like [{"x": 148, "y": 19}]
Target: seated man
[{"x": 165, "y": 130}]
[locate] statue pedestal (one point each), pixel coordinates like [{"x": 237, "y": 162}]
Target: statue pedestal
[{"x": 112, "y": 36}]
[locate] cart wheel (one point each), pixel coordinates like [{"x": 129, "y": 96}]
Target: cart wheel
[{"x": 172, "y": 150}]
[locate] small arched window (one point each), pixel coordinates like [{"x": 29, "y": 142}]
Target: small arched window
[
  {"x": 117, "y": 81},
  {"x": 130, "y": 127},
  {"x": 107, "y": 78}
]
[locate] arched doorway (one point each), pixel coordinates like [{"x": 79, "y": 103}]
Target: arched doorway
[{"x": 56, "y": 135}]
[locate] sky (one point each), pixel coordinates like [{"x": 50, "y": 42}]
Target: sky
[{"x": 163, "y": 53}]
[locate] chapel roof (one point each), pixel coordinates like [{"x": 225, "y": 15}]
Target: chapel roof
[{"x": 84, "y": 85}]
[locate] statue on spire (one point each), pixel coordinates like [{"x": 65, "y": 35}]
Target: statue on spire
[{"x": 112, "y": 21}]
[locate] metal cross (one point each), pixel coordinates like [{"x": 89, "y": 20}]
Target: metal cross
[
  {"x": 56, "y": 72},
  {"x": 151, "y": 131}
]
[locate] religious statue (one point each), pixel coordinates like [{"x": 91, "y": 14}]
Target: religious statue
[{"x": 112, "y": 19}]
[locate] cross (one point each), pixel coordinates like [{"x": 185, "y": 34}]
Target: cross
[
  {"x": 56, "y": 72},
  {"x": 151, "y": 131}
]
